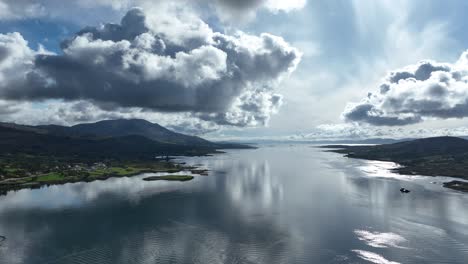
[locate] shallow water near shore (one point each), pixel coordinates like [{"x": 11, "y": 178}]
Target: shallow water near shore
[{"x": 274, "y": 204}]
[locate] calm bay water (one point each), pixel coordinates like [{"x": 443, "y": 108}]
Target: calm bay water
[{"x": 275, "y": 204}]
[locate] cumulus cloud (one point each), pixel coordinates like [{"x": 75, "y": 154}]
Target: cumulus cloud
[
  {"x": 16, "y": 57},
  {"x": 417, "y": 92},
  {"x": 176, "y": 65}
]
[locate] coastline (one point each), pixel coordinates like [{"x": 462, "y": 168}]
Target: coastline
[
  {"x": 459, "y": 183},
  {"x": 38, "y": 181}
]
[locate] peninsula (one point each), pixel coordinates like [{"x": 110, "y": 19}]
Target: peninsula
[
  {"x": 33, "y": 156},
  {"x": 436, "y": 156}
]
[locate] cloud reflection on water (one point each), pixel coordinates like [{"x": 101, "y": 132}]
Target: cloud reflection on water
[
  {"x": 290, "y": 204},
  {"x": 82, "y": 193},
  {"x": 380, "y": 240},
  {"x": 373, "y": 257}
]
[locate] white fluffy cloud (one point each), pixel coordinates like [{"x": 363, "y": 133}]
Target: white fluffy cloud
[
  {"x": 15, "y": 55},
  {"x": 417, "y": 92},
  {"x": 171, "y": 63}
]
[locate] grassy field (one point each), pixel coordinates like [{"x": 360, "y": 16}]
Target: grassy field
[
  {"x": 50, "y": 177},
  {"x": 26, "y": 172}
]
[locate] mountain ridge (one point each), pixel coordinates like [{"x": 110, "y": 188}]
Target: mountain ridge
[
  {"x": 126, "y": 127},
  {"x": 123, "y": 137},
  {"x": 412, "y": 149}
]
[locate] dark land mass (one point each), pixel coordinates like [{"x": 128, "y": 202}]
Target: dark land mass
[
  {"x": 33, "y": 156},
  {"x": 125, "y": 127},
  {"x": 181, "y": 178},
  {"x": 457, "y": 185},
  {"x": 437, "y": 156}
]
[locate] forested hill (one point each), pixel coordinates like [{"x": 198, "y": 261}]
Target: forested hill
[
  {"x": 126, "y": 127},
  {"x": 114, "y": 138}
]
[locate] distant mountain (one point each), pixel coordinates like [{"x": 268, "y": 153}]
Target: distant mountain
[
  {"x": 362, "y": 141},
  {"x": 126, "y": 127},
  {"x": 444, "y": 156},
  {"x": 328, "y": 142},
  {"x": 418, "y": 148},
  {"x": 16, "y": 141},
  {"x": 112, "y": 138}
]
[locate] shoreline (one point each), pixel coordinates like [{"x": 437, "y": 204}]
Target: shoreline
[
  {"x": 32, "y": 182},
  {"x": 458, "y": 183}
]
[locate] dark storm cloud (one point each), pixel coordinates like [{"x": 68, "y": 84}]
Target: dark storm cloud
[
  {"x": 140, "y": 64},
  {"x": 425, "y": 90}
]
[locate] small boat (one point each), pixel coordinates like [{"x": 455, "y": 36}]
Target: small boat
[{"x": 403, "y": 190}]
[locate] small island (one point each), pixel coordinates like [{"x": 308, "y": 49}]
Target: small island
[
  {"x": 20, "y": 171},
  {"x": 437, "y": 156},
  {"x": 170, "y": 178},
  {"x": 457, "y": 185}
]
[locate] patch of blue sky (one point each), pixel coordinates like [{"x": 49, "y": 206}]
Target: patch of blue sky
[{"x": 41, "y": 31}]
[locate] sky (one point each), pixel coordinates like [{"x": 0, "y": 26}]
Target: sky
[{"x": 240, "y": 69}]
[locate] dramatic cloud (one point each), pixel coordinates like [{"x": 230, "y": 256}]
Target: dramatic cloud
[
  {"x": 166, "y": 63},
  {"x": 426, "y": 90}
]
